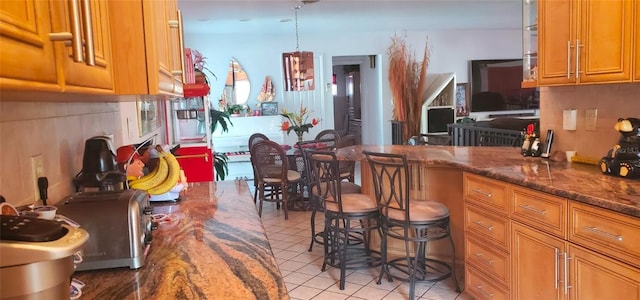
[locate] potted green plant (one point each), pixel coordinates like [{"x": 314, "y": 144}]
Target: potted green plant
[
  {"x": 235, "y": 109},
  {"x": 220, "y": 160}
]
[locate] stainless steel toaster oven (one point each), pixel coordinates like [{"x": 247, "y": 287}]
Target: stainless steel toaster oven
[{"x": 119, "y": 227}]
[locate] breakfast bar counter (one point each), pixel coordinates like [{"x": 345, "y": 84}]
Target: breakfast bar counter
[
  {"x": 574, "y": 181},
  {"x": 210, "y": 245}
]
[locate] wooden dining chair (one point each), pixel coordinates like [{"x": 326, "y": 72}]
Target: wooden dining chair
[
  {"x": 254, "y": 139},
  {"x": 273, "y": 175}
]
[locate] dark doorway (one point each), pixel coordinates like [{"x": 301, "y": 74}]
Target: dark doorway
[{"x": 346, "y": 100}]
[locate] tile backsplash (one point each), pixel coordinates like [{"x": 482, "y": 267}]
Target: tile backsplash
[
  {"x": 58, "y": 131},
  {"x": 612, "y": 101}
]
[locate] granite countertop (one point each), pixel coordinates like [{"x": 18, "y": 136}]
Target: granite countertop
[
  {"x": 574, "y": 181},
  {"x": 214, "y": 247}
]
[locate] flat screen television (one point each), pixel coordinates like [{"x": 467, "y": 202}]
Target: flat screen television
[{"x": 496, "y": 90}]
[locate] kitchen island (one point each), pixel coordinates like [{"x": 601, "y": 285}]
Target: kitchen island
[
  {"x": 574, "y": 181},
  {"x": 527, "y": 227},
  {"x": 212, "y": 245}
]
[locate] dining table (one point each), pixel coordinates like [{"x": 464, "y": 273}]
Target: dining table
[{"x": 295, "y": 159}]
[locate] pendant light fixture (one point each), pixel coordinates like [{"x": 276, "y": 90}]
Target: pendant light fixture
[{"x": 298, "y": 65}]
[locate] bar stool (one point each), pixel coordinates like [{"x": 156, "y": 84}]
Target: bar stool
[
  {"x": 346, "y": 215},
  {"x": 315, "y": 201},
  {"x": 416, "y": 222}
]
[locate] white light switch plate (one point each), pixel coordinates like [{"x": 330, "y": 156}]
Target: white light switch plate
[
  {"x": 569, "y": 117},
  {"x": 591, "y": 119}
]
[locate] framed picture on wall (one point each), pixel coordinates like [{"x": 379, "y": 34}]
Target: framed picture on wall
[
  {"x": 269, "y": 108},
  {"x": 462, "y": 99}
]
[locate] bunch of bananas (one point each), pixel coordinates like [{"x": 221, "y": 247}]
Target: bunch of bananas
[{"x": 162, "y": 179}]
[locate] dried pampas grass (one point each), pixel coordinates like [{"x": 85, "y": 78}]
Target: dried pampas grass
[{"x": 407, "y": 80}]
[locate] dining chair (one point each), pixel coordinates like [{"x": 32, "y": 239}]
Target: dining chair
[
  {"x": 254, "y": 139},
  {"x": 345, "y": 215},
  {"x": 414, "y": 221},
  {"x": 273, "y": 174},
  {"x": 329, "y": 137}
]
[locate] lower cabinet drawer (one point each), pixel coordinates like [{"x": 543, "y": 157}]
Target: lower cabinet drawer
[
  {"x": 481, "y": 287},
  {"x": 487, "y": 258},
  {"x": 610, "y": 233},
  {"x": 486, "y": 224}
]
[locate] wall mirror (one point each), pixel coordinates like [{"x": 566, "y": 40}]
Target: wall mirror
[{"x": 237, "y": 86}]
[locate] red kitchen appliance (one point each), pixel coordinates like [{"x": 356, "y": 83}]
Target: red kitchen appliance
[{"x": 189, "y": 126}]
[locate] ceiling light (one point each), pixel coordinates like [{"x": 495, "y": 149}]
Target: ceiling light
[{"x": 298, "y": 66}]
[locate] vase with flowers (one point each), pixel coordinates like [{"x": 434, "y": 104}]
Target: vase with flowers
[
  {"x": 298, "y": 122},
  {"x": 199, "y": 62}
]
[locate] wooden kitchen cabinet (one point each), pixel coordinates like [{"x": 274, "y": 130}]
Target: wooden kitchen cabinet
[
  {"x": 146, "y": 48},
  {"x": 487, "y": 237},
  {"x": 636, "y": 73},
  {"x": 32, "y": 61},
  {"x": 595, "y": 276},
  {"x": 543, "y": 263},
  {"x": 536, "y": 261},
  {"x": 521, "y": 243},
  {"x": 585, "y": 41},
  {"x": 80, "y": 77}
]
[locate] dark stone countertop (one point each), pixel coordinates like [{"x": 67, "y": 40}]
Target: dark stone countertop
[
  {"x": 215, "y": 247},
  {"x": 574, "y": 181}
]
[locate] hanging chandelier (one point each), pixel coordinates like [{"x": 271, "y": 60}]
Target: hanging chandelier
[{"x": 298, "y": 65}]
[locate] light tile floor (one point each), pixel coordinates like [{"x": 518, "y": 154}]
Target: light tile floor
[{"x": 289, "y": 241}]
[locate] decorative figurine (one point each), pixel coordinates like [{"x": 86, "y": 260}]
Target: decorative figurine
[{"x": 623, "y": 159}]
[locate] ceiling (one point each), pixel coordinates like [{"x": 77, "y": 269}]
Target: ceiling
[{"x": 270, "y": 16}]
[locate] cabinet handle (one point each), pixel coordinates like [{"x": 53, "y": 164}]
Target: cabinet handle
[
  {"x": 479, "y": 288},
  {"x": 74, "y": 35},
  {"x": 181, "y": 45},
  {"x": 529, "y": 208},
  {"x": 566, "y": 273},
  {"x": 555, "y": 266},
  {"x": 488, "y": 261},
  {"x": 568, "y": 59},
  {"x": 206, "y": 157},
  {"x": 604, "y": 233},
  {"x": 479, "y": 191},
  {"x": 577, "y": 58},
  {"x": 87, "y": 24},
  {"x": 487, "y": 227}
]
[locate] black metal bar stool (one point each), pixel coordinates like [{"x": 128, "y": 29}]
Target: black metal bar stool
[
  {"x": 346, "y": 215},
  {"x": 315, "y": 201},
  {"x": 416, "y": 222}
]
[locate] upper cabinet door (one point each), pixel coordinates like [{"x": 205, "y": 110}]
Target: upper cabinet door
[
  {"x": 637, "y": 43},
  {"x": 158, "y": 45},
  {"x": 555, "y": 39},
  {"x": 24, "y": 40},
  {"x": 585, "y": 41},
  {"x": 142, "y": 47},
  {"x": 606, "y": 35},
  {"x": 94, "y": 72},
  {"x": 177, "y": 47}
]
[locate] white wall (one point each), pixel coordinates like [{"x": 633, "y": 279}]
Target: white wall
[{"x": 260, "y": 55}]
